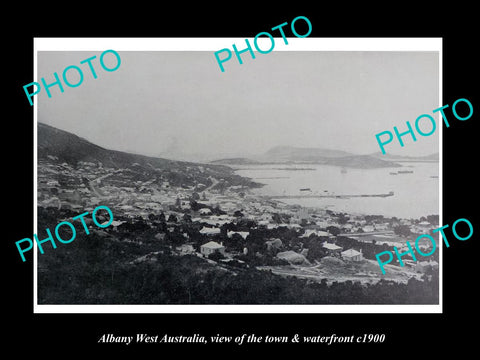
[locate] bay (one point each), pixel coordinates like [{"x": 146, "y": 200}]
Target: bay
[{"x": 416, "y": 194}]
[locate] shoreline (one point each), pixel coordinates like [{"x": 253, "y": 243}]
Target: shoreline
[
  {"x": 391, "y": 198},
  {"x": 154, "y": 220}
]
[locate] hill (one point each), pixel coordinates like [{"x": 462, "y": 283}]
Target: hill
[
  {"x": 64, "y": 147},
  {"x": 302, "y": 154},
  {"x": 71, "y": 149},
  {"x": 402, "y": 158},
  {"x": 235, "y": 161},
  {"x": 298, "y": 155}
]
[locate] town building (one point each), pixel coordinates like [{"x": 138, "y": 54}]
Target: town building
[
  {"x": 332, "y": 249},
  {"x": 211, "y": 247},
  {"x": 210, "y": 231},
  {"x": 293, "y": 258},
  {"x": 185, "y": 249},
  {"x": 205, "y": 211},
  {"x": 422, "y": 266},
  {"x": 368, "y": 228},
  {"x": 352, "y": 255},
  {"x": 243, "y": 234}
]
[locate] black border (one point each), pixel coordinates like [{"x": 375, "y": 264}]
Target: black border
[{"x": 408, "y": 333}]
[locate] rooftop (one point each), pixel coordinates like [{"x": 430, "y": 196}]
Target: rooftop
[
  {"x": 331, "y": 246},
  {"x": 350, "y": 253},
  {"x": 209, "y": 230},
  {"x": 212, "y": 245}
]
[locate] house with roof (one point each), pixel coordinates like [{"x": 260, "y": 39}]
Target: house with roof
[
  {"x": 211, "y": 247},
  {"x": 205, "y": 211},
  {"x": 209, "y": 230},
  {"x": 352, "y": 255},
  {"x": 382, "y": 227},
  {"x": 323, "y": 224},
  {"x": 422, "y": 266},
  {"x": 293, "y": 257},
  {"x": 185, "y": 249},
  {"x": 368, "y": 228},
  {"x": 423, "y": 227},
  {"x": 243, "y": 234},
  {"x": 332, "y": 249},
  {"x": 275, "y": 244},
  {"x": 115, "y": 224},
  {"x": 409, "y": 263}
]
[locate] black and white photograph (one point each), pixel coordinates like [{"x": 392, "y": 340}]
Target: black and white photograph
[
  {"x": 220, "y": 180},
  {"x": 261, "y": 185}
]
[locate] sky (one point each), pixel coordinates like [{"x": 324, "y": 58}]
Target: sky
[{"x": 180, "y": 105}]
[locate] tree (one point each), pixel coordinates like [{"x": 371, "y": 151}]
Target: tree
[
  {"x": 217, "y": 211},
  {"x": 235, "y": 243},
  {"x": 333, "y": 230},
  {"x": 216, "y": 256},
  {"x": 151, "y": 217},
  {"x": 403, "y": 230},
  {"x": 195, "y": 206},
  {"x": 238, "y": 213},
  {"x": 433, "y": 219},
  {"x": 316, "y": 251},
  {"x": 342, "y": 219},
  {"x": 174, "y": 238},
  {"x": 276, "y": 218}
]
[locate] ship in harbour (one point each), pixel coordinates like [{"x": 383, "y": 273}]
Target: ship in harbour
[{"x": 405, "y": 171}]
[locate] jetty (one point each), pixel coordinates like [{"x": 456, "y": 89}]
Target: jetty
[{"x": 314, "y": 196}]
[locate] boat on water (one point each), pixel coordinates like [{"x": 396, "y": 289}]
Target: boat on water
[
  {"x": 393, "y": 173},
  {"x": 305, "y": 189},
  {"x": 405, "y": 171},
  {"x": 390, "y": 193}
]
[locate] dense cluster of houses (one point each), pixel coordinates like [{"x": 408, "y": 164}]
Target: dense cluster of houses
[{"x": 89, "y": 184}]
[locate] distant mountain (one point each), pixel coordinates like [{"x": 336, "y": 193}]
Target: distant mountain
[
  {"x": 298, "y": 155},
  {"x": 235, "y": 161},
  {"x": 400, "y": 158},
  {"x": 61, "y": 146},
  {"x": 290, "y": 153}
]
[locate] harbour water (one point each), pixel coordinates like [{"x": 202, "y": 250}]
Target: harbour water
[{"x": 415, "y": 186}]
